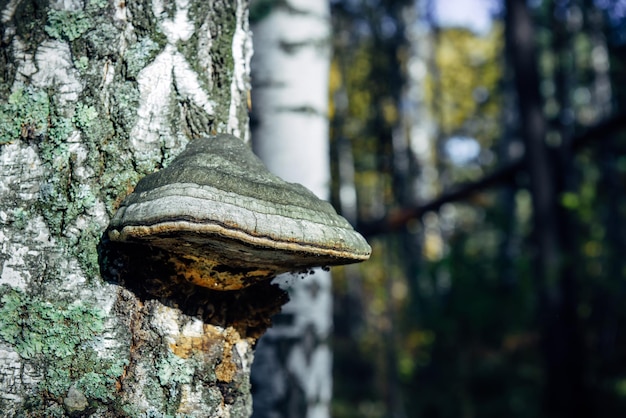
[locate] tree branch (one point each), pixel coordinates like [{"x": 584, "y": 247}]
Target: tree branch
[{"x": 398, "y": 218}]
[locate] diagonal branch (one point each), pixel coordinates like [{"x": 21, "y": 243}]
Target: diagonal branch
[{"x": 398, "y": 218}]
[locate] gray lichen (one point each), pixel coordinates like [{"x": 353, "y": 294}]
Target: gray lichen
[{"x": 56, "y": 337}]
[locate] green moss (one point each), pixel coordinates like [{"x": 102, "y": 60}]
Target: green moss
[
  {"x": 223, "y": 62},
  {"x": 154, "y": 391},
  {"x": 61, "y": 199},
  {"x": 60, "y": 128},
  {"x": 174, "y": 370},
  {"x": 30, "y": 114},
  {"x": 117, "y": 186},
  {"x": 85, "y": 115},
  {"x": 86, "y": 250},
  {"x": 201, "y": 13},
  {"x": 88, "y": 31},
  {"x": 102, "y": 41},
  {"x": 57, "y": 337},
  {"x": 82, "y": 63},
  {"x": 19, "y": 217},
  {"x": 24, "y": 115},
  {"x": 145, "y": 23},
  {"x": 164, "y": 391},
  {"x": 139, "y": 55},
  {"x": 48, "y": 329},
  {"x": 70, "y": 25},
  {"x": 98, "y": 4},
  {"x": 53, "y": 411},
  {"x": 215, "y": 80},
  {"x": 125, "y": 105},
  {"x": 53, "y": 202},
  {"x": 88, "y": 118}
]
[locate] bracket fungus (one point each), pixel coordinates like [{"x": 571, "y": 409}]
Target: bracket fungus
[{"x": 227, "y": 222}]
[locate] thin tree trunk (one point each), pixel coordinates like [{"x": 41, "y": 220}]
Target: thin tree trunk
[
  {"x": 93, "y": 96},
  {"x": 292, "y": 375}
]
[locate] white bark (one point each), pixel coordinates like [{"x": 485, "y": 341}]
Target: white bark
[
  {"x": 95, "y": 95},
  {"x": 290, "y": 134}
]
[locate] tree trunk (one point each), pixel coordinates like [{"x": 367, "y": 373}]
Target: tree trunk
[
  {"x": 566, "y": 391},
  {"x": 292, "y": 376},
  {"x": 93, "y": 96}
]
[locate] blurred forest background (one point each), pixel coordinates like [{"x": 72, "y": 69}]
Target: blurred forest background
[{"x": 486, "y": 166}]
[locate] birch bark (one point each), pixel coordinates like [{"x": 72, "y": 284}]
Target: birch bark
[
  {"x": 95, "y": 94},
  {"x": 292, "y": 374}
]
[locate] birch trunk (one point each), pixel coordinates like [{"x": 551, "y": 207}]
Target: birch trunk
[
  {"x": 292, "y": 376},
  {"x": 94, "y": 95}
]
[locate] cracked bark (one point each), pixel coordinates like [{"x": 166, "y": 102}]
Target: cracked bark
[{"x": 93, "y": 96}]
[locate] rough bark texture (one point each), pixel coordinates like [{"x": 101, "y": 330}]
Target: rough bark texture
[
  {"x": 292, "y": 376},
  {"x": 94, "y": 95}
]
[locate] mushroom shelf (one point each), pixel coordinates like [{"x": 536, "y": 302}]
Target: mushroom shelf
[{"x": 228, "y": 222}]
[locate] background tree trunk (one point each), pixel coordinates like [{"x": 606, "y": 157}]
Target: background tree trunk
[
  {"x": 93, "y": 96},
  {"x": 566, "y": 394},
  {"x": 292, "y": 376}
]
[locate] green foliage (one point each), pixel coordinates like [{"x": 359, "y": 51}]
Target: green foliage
[
  {"x": 57, "y": 338},
  {"x": 450, "y": 313},
  {"x": 463, "y": 86}
]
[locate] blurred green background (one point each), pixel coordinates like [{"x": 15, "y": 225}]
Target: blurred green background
[{"x": 480, "y": 146}]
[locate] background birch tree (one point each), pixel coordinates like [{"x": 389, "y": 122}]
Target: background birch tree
[
  {"x": 94, "y": 95},
  {"x": 292, "y": 374}
]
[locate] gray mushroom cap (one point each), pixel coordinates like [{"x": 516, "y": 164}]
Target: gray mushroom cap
[{"x": 228, "y": 222}]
